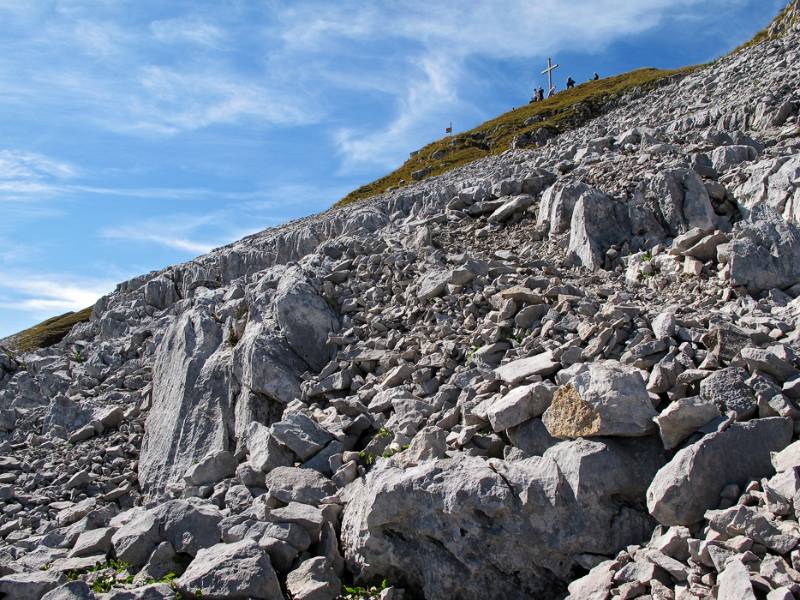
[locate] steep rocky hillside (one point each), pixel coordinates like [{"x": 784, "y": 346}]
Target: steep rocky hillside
[{"x": 566, "y": 370}]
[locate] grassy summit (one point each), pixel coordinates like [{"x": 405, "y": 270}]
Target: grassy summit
[{"x": 565, "y": 110}]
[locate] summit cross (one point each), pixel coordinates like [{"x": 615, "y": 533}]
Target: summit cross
[{"x": 549, "y": 72}]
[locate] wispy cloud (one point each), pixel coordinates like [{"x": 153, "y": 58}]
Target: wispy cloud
[
  {"x": 46, "y": 293},
  {"x": 192, "y": 30},
  {"x": 16, "y": 164},
  {"x": 175, "y": 232},
  {"x": 428, "y": 80}
]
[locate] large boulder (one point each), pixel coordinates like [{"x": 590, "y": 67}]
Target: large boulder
[
  {"x": 557, "y": 204},
  {"x": 772, "y": 182},
  {"x": 191, "y": 415},
  {"x": 188, "y": 526},
  {"x": 265, "y": 365},
  {"x": 692, "y": 481},
  {"x": 469, "y": 528},
  {"x": 305, "y": 319},
  {"x": 765, "y": 252},
  {"x": 607, "y": 399},
  {"x": 238, "y": 570},
  {"x": 683, "y": 201},
  {"x": 598, "y": 222}
]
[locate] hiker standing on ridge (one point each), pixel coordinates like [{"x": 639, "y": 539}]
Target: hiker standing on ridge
[{"x": 570, "y": 83}]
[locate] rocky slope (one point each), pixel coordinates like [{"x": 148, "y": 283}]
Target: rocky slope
[{"x": 569, "y": 370}]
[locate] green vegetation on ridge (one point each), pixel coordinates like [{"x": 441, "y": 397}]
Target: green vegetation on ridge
[
  {"x": 47, "y": 332},
  {"x": 566, "y": 110}
]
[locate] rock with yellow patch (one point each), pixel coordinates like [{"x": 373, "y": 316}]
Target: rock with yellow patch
[{"x": 608, "y": 399}]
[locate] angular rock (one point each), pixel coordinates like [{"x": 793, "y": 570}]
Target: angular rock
[
  {"x": 520, "y": 405},
  {"x": 301, "y": 435},
  {"x": 607, "y": 399},
  {"x": 238, "y": 570},
  {"x": 191, "y": 415},
  {"x": 728, "y": 390},
  {"x": 764, "y": 252},
  {"x": 523, "y": 368},
  {"x": 683, "y": 417},
  {"x": 212, "y": 468},
  {"x": 292, "y": 484},
  {"x": 737, "y": 455},
  {"x": 305, "y": 319},
  {"x": 598, "y": 222},
  {"x": 314, "y": 579},
  {"x": 265, "y": 451}
]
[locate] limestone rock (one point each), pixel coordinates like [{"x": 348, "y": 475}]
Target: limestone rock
[
  {"x": 609, "y": 398},
  {"x": 736, "y": 455},
  {"x": 237, "y": 570}
]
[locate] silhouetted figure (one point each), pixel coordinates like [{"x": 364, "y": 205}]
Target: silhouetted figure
[
  {"x": 540, "y": 95},
  {"x": 596, "y": 77},
  {"x": 570, "y": 83}
]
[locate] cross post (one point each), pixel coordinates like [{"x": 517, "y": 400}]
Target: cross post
[{"x": 549, "y": 72}]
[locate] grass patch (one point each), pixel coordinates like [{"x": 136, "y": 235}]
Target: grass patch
[
  {"x": 566, "y": 110},
  {"x": 47, "y": 332}
]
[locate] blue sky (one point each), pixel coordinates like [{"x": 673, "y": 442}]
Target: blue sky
[{"x": 139, "y": 133}]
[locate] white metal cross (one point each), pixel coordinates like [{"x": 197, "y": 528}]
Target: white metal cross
[{"x": 549, "y": 72}]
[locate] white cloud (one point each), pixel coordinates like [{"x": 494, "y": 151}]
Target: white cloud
[
  {"x": 190, "y": 30},
  {"x": 16, "y": 165},
  {"x": 173, "y": 232},
  {"x": 45, "y": 294}
]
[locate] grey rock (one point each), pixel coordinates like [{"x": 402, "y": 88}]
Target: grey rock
[
  {"x": 557, "y": 204},
  {"x": 726, "y": 157},
  {"x": 531, "y": 437},
  {"x": 238, "y": 570},
  {"x": 314, "y": 579},
  {"x": 764, "y": 252},
  {"x": 305, "y": 319},
  {"x": 93, "y": 542},
  {"x": 683, "y": 417},
  {"x": 301, "y": 435},
  {"x": 728, "y": 390},
  {"x": 523, "y": 368},
  {"x": 683, "y": 201},
  {"x": 608, "y": 398},
  {"x": 73, "y": 590},
  {"x": 734, "y": 582},
  {"x": 293, "y": 484},
  {"x": 135, "y": 541},
  {"x": 30, "y": 585},
  {"x": 737, "y": 455},
  {"x": 265, "y": 451},
  {"x": 191, "y": 415},
  {"x": 492, "y": 518},
  {"x": 520, "y": 405},
  {"x": 188, "y": 526},
  {"x": 598, "y": 222},
  {"x": 212, "y": 468}
]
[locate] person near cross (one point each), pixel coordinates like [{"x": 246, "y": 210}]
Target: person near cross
[
  {"x": 570, "y": 83},
  {"x": 551, "y": 89}
]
